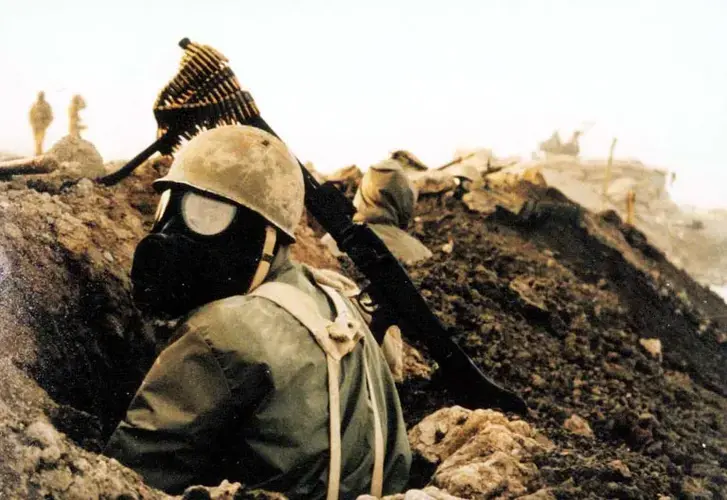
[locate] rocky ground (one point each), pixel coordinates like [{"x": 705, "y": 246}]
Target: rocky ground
[
  {"x": 567, "y": 307},
  {"x": 611, "y": 345}
]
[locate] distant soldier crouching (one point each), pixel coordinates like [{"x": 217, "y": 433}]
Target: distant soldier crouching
[{"x": 385, "y": 200}]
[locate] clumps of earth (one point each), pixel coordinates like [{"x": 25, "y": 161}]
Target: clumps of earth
[
  {"x": 78, "y": 157},
  {"x": 620, "y": 355}
]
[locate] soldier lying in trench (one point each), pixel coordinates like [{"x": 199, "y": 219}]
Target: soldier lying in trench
[
  {"x": 385, "y": 200},
  {"x": 273, "y": 378}
]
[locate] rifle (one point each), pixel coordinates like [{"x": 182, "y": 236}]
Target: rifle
[
  {"x": 205, "y": 93},
  {"x": 459, "y": 159},
  {"x": 41, "y": 164}
]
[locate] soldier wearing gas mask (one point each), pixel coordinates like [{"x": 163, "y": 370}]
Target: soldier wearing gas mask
[{"x": 273, "y": 378}]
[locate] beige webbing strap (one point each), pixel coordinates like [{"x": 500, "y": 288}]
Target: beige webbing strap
[
  {"x": 377, "y": 477},
  {"x": 330, "y": 278},
  {"x": 266, "y": 258},
  {"x": 334, "y": 424},
  {"x": 330, "y": 338},
  {"x": 298, "y": 304},
  {"x": 302, "y": 307}
]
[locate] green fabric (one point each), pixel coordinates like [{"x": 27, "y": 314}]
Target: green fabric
[
  {"x": 402, "y": 245},
  {"x": 385, "y": 197},
  {"x": 385, "y": 200},
  {"x": 242, "y": 395}
]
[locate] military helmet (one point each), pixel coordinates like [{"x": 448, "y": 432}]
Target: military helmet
[
  {"x": 387, "y": 166},
  {"x": 245, "y": 165}
]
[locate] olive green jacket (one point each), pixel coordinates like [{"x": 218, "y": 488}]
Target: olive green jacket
[{"x": 242, "y": 395}]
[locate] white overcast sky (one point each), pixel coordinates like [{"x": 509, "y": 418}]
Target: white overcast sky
[{"x": 346, "y": 82}]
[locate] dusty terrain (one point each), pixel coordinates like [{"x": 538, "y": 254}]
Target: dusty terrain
[
  {"x": 554, "y": 301},
  {"x": 556, "y": 305},
  {"x": 692, "y": 239}
]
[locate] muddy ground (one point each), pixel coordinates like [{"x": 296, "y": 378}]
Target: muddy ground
[{"x": 552, "y": 304}]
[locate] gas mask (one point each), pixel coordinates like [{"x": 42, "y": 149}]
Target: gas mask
[
  {"x": 201, "y": 248},
  {"x": 463, "y": 187}
]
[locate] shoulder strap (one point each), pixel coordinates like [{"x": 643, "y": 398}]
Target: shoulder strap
[
  {"x": 333, "y": 279},
  {"x": 337, "y": 339}
]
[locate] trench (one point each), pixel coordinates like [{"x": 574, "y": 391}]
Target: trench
[{"x": 91, "y": 354}]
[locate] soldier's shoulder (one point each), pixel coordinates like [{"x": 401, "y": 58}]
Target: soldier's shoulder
[
  {"x": 240, "y": 312},
  {"x": 245, "y": 325}
]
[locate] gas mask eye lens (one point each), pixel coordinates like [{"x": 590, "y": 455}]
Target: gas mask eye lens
[
  {"x": 162, "y": 206},
  {"x": 206, "y": 216}
]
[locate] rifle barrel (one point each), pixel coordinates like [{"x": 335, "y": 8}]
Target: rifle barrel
[
  {"x": 459, "y": 159},
  {"x": 42, "y": 164},
  {"x": 123, "y": 172}
]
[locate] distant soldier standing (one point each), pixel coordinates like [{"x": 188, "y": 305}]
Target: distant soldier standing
[
  {"x": 74, "y": 120},
  {"x": 41, "y": 116}
]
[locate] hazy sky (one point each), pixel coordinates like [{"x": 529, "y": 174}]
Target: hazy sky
[{"x": 346, "y": 82}]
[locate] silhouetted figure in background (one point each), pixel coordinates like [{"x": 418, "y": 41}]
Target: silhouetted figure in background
[
  {"x": 41, "y": 116},
  {"x": 74, "y": 119},
  {"x": 572, "y": 147},
  {"x": 385, "y": 200},
  {"x": 554, "y": 145}
]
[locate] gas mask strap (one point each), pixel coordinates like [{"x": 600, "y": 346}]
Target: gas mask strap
[{"x": 266, "y": 258}]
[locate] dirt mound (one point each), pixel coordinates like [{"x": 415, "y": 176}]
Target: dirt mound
[
  {"x": 693, "y": 240},
  {"x": 79, "y": 155},
  {"x": 67, "y": 317},
  {"x": 5, "y": 156},
  {"x": 39, "y": 462},
  {"x": 308, "y": 247},
  {"x": 553, "y": 302}
]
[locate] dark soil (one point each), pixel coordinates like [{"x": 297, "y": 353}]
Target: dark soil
[{"x": 553, "y": 306}]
